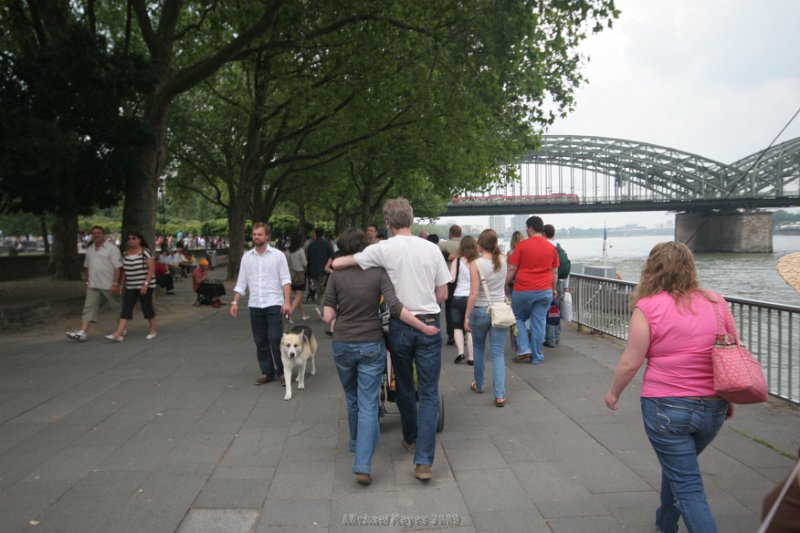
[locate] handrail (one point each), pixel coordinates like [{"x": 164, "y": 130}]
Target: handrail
[{"x": 770, "y": 330}]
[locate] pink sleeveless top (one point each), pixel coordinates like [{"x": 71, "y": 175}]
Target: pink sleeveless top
[{"x": 679, "y": 357}]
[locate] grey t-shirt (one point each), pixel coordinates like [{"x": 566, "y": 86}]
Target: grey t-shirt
[{"x": 356, "y": 294}]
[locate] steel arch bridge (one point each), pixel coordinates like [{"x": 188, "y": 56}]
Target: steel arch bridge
[{"x": 595, "y": 174}]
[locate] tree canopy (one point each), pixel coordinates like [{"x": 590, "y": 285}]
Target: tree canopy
[{"x": 327, "y": 108}]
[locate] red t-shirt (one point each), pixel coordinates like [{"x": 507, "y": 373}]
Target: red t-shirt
[
  {"x": 535, "y": 259},
  {"x": 161, "y": 269}
]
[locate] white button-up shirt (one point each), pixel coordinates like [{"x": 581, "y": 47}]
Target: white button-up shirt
[
  {"x": 264, "y": 275},
  {"x": 101, "y": 264}
]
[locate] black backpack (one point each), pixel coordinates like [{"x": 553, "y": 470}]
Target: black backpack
[{"x": 564, "y": 264}]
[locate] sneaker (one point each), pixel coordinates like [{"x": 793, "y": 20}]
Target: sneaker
[
  {"x": 305, "y": 317},
  {"x": 111, "y": 337},
  {"x": 124, "y": 332},
  {"x": 423, "y": 472},
  {"x": 459, "y": 359},
  {"x": 411, "y": 447},
  {"x": 77, "y": 335},
  {"x": 524, "y": 358},
  {"x": 170, "y": 293},
  {"x": 363, "y": 479}
]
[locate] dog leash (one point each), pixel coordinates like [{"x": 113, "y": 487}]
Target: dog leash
[{"x": 285, "y": 323}]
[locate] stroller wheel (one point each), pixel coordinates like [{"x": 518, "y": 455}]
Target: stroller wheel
[{"x": 440, "y": 422}]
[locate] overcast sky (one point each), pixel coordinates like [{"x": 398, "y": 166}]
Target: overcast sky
[{"x": 717, "y": 78}]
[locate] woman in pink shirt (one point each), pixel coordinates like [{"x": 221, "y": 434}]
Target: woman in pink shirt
[{"x": 673, "y": 326}]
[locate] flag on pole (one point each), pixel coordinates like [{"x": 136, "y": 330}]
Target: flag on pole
[{"x": 605, "y": 238}]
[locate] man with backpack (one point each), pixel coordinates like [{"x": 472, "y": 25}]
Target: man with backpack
[{"x": 553, "y": 331}]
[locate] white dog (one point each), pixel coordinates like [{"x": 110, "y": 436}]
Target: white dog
[{"x": 298, "y": 347}]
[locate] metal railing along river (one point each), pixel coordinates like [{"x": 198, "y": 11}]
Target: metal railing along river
[{"x": 771, "y": 331}]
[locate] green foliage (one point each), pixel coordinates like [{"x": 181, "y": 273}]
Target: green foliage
[
  {"x": 64, "y": 146},
  {"x": 20, "y": 224},
  {"x": 781, "y": 216},
  {"x": 404, "y": 98}
]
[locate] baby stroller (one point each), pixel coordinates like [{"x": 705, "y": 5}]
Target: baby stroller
[{"x": 388, "y": 392}]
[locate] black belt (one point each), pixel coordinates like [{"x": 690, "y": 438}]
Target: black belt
[{"x": 428, "y": 318}]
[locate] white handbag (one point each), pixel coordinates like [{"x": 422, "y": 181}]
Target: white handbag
[
  {"x": 566, "y": 307},
  {"x": 500, "y": 312}
]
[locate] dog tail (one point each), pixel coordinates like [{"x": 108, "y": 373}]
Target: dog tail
[{"x": 312, "y": 342}]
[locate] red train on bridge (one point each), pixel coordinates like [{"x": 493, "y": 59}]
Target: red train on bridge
[{"x": 498, "y": 199}]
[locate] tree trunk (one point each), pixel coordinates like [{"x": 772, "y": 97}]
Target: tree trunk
[
  {"x": 141, "y": 194},
  {"x": 237, "y": 215},
  {"x": 301, "y": 220},
  {"x": 45, "y": 239},
  {"x": 64, "y": 260}
]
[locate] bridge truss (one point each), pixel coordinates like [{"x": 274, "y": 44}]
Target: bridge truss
[{"x": 592, "y": 174}]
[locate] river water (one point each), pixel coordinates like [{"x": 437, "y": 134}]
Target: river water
[{"x": 750, "y": 276}]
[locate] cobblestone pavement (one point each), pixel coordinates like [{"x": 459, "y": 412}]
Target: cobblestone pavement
[{"x": 172, "y": 435}]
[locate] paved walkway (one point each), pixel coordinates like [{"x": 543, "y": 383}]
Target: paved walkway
[{"x": 172, "y": 435}]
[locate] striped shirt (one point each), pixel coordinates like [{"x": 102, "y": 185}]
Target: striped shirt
[{"x": 136, "y": 270}]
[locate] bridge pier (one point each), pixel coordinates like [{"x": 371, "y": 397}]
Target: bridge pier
[{"x": 743, "y": 232}]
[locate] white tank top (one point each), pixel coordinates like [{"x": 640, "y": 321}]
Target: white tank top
[
  {"x": 495, "y": 280},
  {"x": 462, "y": 283}
]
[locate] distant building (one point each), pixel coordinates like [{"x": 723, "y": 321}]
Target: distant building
[
  {"x": 498, "y": 223},
  {"x": 518, "y": 223}
]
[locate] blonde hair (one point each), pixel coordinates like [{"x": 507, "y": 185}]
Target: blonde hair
[
  {"x": 468, "y": 248},
  {"x": 670, "y": 267},
  {"x": 487, "y": 240}
]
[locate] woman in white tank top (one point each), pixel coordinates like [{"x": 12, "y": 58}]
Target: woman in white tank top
[
  {"x": 492, "y": 265},
  {"x": 459, "y": 270}
]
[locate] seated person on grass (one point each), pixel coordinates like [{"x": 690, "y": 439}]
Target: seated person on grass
[
  {"x": 208, "y": 290},
  {"x": 163, "y": 277}
]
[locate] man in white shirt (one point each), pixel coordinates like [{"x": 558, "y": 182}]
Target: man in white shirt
[
  {"x": 264, "y": 271},
  {"x": 102, "y": 270},
  {"x": 420, "y": 277}
]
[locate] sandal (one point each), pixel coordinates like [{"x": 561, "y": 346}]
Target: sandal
[
  {"x": 499, "y": 402},
  {"x": 474, "y": 388}
]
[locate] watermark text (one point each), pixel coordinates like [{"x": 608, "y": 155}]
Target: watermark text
[{"x": 403, "y": 520}]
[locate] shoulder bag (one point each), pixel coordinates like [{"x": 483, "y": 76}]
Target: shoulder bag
[
  {"x": 738, "y": 376},
  {"x": 298, "y": 277},
  {"x": 500, "y": 312}
]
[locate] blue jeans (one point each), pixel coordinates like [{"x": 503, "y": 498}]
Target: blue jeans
[
  {"x": 679, "y": 429},
  {"x": 481, "y": 328},
  {"x": 266, "y": 325},
  {"x": 411, "y": 348},
  {"x": 360, "y": 366},
  {"x": 531, "y": 305}
]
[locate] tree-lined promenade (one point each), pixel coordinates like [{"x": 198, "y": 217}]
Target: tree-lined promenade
[{"x": 320, "y": 110}]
